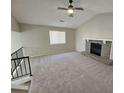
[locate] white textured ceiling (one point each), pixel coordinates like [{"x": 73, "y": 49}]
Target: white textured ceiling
[{"x": 44, "y": 12}]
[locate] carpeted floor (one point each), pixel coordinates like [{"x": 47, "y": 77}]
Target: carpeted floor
[{"x": 70, "y": 73}]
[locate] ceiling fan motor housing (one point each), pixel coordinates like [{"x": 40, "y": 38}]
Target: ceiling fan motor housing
[
  {"x": 70, "y": 6},
  {"x": 70, "y": 1}
]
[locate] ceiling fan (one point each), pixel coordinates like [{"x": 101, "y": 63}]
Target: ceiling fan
[{"x": 70, "y": 9}]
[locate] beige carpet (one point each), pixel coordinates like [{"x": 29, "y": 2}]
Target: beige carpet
[{"x": 70, "y": 73}]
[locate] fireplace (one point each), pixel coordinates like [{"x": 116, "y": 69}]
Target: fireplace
[{"x": 95, "y": 48}]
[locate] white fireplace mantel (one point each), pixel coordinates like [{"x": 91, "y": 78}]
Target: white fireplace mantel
[{"x": 104, "y": 40}]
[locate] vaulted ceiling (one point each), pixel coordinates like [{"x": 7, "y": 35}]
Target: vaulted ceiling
[{"x": 44, "y": 12}]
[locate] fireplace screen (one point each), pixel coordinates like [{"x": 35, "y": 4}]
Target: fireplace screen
[{"x": 95, "y": 48}]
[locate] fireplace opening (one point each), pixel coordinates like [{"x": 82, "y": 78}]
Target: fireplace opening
[{"x": 95, "y": 48}]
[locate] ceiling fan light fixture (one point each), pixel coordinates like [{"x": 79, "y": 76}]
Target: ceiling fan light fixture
[{"x": 70, "y": 11}]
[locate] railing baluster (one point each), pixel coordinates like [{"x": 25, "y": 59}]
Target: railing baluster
[
  {"x": 25, "y": 66},
  {"x": 16, "y": 68},
  {"x": 21, "y": 68},
  {"x": 17, "y": 54},
  {"x": 29, "y": 67},
  {"x": 12, "y": 74},
  {"x": 12, "y": 69},
  {"x": 11, "y": 66}
]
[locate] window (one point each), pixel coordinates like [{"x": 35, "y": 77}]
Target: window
[{"x": 57, "y": 37}]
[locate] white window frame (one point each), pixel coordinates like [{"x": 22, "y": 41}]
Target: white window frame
[{"x": 57, "y": 37}]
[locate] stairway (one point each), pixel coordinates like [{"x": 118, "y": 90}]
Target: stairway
[{"x": 20, "y": 70}]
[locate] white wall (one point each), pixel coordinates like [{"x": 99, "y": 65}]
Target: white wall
[
  {"x": 14, "y": 24},
  {"x": 15, "y": 35},
  {"x": 15, "y": 41},
  {"x": 36, "y": 40},
  {"x": 99, "y": 27}
]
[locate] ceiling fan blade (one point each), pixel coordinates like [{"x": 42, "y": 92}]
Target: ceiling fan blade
[
  {"x": 61, "y": 8},
  {"x": 78, "y": 8}
]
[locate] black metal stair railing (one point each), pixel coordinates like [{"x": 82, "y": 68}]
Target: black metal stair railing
[
  {"x": 22, "y": 69},
  {"x": 18, "y": 53},
  {"x": 20, "y": 65}
]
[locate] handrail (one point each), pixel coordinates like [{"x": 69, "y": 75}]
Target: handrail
[
  {"x": 20, "y": 58},
  {"x": 17, "y": 50}
]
